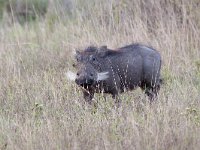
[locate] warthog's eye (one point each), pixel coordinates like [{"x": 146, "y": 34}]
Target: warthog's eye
[
  {"x": 79, "y": 58},
  {"x": 77, "y": 74},
  {"x": 91, "y": 74},
  {"x": 92, "y": 58}
]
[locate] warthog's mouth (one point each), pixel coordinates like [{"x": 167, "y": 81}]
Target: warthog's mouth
[{"x": 86, "y": 85}]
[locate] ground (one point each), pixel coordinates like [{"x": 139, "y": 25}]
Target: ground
[{"x": 41, "y": 109}]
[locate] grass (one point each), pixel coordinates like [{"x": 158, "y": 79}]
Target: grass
[{"x": 41, "y": 109}]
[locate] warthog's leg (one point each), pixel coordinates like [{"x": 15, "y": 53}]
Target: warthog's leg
[
  {"x": 151, "y": 91},
  {"x": 118, "y": 101},
  {"x": 88, "y": 96}
]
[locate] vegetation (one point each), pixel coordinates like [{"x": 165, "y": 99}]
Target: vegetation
[{"x": 41, "y": 109}]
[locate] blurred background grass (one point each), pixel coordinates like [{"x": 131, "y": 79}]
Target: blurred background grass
[{"x": 40, "y": 109}]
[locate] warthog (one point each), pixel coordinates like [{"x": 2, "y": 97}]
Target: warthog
[{"x": 115, "y": 71}]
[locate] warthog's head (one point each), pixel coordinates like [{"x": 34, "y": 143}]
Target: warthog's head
[
  {"x": 89, "y": 73},
  {"x": 87, "y": 76}
]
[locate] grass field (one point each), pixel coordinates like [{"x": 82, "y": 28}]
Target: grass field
[{"x": 41, "y": 109}]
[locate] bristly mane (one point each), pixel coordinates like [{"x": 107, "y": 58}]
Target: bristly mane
[
  {"x": 91, "y": 49},
  {"x": 135, "y": 45},
  {"x": 130, "y": 46}
]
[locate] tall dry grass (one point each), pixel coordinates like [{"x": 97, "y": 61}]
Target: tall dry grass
[{"x": 40, "y": 109}]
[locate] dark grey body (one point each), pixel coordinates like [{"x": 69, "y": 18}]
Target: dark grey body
[{"x": 128, "y": 67}]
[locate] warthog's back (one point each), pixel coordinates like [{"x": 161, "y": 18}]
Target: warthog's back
[{"x": 134, "y": 65}]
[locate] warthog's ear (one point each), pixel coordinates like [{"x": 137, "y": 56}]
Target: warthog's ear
[
  {"x": 77, "y": 52},
  {"x": 103, "y": 48},
  {"x": 102, "y": 51},
  {"x": 78, "y": 55},
  {"x": 107, "y": 52}
]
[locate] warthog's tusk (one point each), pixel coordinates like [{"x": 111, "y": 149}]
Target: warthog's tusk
[
  {"x": 71, "y": 75},
  {"x": 102, "y": 76}
]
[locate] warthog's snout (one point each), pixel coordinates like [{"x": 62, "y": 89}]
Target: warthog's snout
[
  {"x": 84, "y": 82},
  {"x": 86, "y": 79}
]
